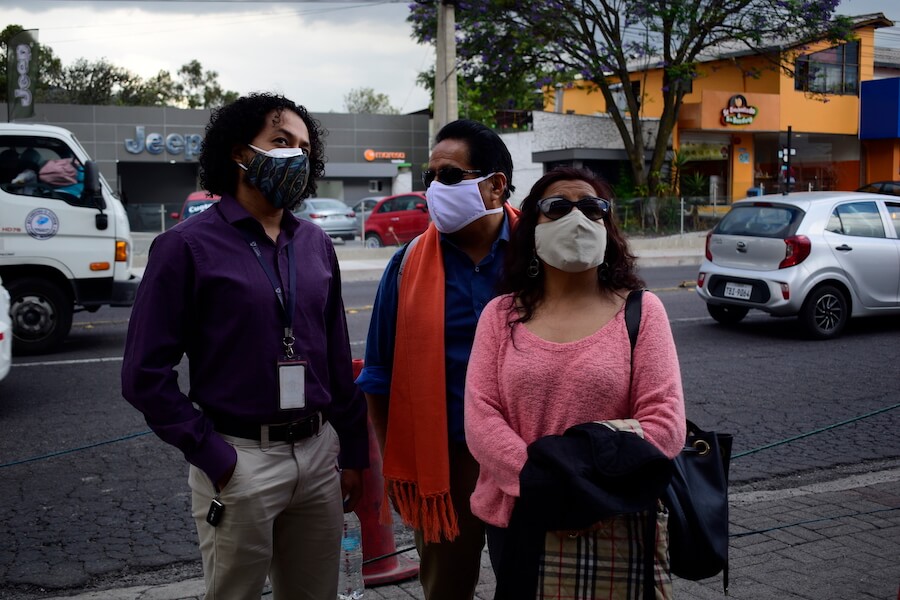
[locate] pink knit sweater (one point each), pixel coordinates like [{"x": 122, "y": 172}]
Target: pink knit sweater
[{"x": 521, "y": 387}]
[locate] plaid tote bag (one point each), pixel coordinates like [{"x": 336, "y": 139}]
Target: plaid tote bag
[{"x": 606, "y": 561}]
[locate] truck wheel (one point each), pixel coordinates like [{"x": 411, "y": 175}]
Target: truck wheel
[
  {"x": 373, "y": 241},
  {"x": 41, "y": 315}
]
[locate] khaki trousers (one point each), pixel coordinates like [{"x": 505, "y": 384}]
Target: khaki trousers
[
  {"x": 450, "y": 570},
  {"x": 283, "y": 519}
]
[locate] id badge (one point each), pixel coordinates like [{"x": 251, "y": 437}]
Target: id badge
[{"x": 292, "y": 384}]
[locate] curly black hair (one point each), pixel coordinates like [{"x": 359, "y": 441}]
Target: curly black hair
[
  {"x": 617, "y": 272},
  {"x": 238, "y": 123}
]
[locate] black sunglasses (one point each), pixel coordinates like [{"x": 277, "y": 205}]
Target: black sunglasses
[
  {"x": 447, "y": 175},
  {"x": 556, "y": 207}
]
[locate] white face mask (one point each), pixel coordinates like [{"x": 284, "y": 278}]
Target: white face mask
[
  {"x": 452, "y": 207},
  {"x": 572, "y": 243},
  {"x": 281, "y": 152}
]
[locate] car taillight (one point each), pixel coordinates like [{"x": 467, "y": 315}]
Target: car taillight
[
  {"x": 701, "y": 279},
  {"x": 796, "y": 249},
  {"x": 708, "y": 253},
  {"x": 316, "y": 216},
  {"x": 351, "y": 214}
]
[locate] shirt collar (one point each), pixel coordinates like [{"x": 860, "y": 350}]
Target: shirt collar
[{"x": 233, "y": 213}]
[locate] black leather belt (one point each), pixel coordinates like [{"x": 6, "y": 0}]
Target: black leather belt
[{"x": 280, "y": 432}]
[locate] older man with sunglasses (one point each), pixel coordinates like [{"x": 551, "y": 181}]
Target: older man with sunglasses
[{"x": 420, "y": 338}]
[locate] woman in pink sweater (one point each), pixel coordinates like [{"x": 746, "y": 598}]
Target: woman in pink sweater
[{"x": 553, "y": 351}]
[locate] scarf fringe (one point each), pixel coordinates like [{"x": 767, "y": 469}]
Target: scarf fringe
[{"x": 433, "y": 515}]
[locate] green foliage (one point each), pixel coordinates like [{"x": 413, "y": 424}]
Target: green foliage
[
  {"x": 694, "y": 184},
  {"x": 364, "y": 100},
  {"x": 49, "y": 66},
  {"x": 102, "y": 82}
]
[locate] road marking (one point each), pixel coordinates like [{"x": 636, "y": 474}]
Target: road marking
[
  {"x": 80, "y": 361},
  {"x": 86, "y": 361}
]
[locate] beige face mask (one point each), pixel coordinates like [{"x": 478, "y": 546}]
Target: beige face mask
[{"x": 572, "y": 243}]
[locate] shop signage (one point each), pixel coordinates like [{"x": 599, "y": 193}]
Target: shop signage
[
  {"x": 154, "y": 143},
  {"x": 703, "y": 151},
  {"x": 371, "y": 155},
  {"x": 738, "y": 112}
]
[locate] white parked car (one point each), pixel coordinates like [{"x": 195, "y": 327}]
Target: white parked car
[
  {"x": 5, "y": 332},
  {"x": 822, "y": 257}
]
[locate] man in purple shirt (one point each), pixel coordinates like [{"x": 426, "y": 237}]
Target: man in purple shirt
[{"x": 273, "y": 426}]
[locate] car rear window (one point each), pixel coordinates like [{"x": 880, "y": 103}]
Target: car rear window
[{"x": 760, "y": 220}]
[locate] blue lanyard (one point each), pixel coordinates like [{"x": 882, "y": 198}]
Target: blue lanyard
[{"x": 286, "y": 302}]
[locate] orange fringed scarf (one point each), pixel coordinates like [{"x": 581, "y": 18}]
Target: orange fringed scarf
[{"x": 416, "y": 460}]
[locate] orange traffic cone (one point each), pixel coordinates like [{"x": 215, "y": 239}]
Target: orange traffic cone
[{"x": 378, "y": 539}]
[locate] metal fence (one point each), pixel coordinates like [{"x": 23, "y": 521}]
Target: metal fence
[{"x": 665, "y": 215}]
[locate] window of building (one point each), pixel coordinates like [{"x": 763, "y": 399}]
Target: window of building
[
  {"x": 618, "y": 95},
  {"x": 831, "y": 71}
]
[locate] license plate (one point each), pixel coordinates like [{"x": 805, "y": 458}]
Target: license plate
[{"x": 741, "y": 291}]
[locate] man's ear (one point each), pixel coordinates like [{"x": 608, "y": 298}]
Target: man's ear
[{"x": 498, "y": 187}]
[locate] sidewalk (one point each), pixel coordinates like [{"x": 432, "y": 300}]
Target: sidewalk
[
  {"x": 838, "y": 540},
  {"x": 365, "y": 264}
]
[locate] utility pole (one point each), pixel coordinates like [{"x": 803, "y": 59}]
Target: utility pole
[{"x": 446, "y": 108}]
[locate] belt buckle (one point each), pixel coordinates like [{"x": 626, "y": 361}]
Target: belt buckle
[{"x": 302, "y": 429}]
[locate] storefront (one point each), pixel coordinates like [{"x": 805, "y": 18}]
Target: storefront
[
  {"x": 149, "y": 154},
  {"x": 738, "y": 143}
]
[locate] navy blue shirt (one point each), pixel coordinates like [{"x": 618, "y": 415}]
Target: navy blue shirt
[
  {"x": 468, "y": 288},
  {"x": 205, "y": 295}
]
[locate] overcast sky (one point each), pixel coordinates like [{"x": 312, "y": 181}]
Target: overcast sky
[{"x": 313, "y": 52}]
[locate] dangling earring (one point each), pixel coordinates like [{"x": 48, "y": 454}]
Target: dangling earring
[
  {"x": 534, "y": 267},
  {"x": 604, "y": 271}
]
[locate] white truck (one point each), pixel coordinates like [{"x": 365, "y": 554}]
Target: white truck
[{"x": 64, "y": 246}]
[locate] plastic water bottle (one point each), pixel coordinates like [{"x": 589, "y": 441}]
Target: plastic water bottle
[{"x": 350, "y": 580}]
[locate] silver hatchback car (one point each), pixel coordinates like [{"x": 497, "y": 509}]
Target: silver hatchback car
[
  {"x": 820, "y": 256},
  {"x": 332, "y": 215}
]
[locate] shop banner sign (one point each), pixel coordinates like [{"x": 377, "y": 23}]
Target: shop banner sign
[{"x": 22, "y": 74}]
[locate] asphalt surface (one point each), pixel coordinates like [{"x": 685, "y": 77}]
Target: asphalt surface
[{"x": 823, "y": 535}]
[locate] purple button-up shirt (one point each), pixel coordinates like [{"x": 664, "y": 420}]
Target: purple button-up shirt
[{"x": 204, "y": 294}]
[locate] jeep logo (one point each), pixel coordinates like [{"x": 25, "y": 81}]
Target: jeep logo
[
  {"x": 153, "y": 143},
  {"x": 23, "y": 84}
]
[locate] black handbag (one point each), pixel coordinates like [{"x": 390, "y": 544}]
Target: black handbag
[{"x": 697, "y": 497}]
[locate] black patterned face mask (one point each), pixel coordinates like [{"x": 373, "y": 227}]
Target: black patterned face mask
[{"x": 280, "y": 174}]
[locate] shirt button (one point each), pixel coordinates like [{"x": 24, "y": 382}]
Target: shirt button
[{"x": 478, "y": 269}]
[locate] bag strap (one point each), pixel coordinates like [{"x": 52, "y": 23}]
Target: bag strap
[
  {"x": 633, "y": 305},
  {"x": 633, "y": 315},
  {"x": 409, "y": 246}
]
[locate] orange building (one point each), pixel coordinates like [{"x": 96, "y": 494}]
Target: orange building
[{"x": 734, "y": 121}]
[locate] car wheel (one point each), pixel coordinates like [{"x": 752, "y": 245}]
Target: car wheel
[
  {"x": 41, "y": 315},
  {"x": 727, "y": 315},
  {"x": 825, "y": 313},
  {"x": 373, "y": 241}
]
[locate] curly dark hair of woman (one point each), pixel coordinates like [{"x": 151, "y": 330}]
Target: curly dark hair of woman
[
  {"x": 237, "y": 124},
  {"x": 618, "y": 271}
]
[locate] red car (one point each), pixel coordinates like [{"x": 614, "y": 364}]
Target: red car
[
  {"x": 396, "y": 220},
  {"x": 196, "y": 202}
]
